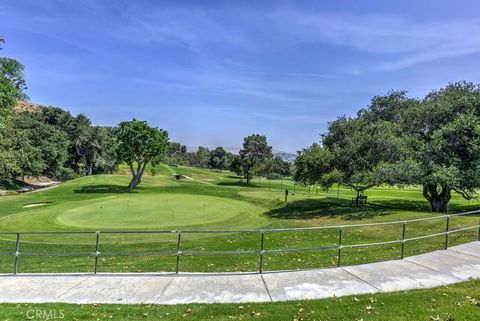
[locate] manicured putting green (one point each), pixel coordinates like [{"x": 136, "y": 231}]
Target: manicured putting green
[{"x": 161, "y": 211}]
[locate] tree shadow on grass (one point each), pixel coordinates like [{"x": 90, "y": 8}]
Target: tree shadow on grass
[
  {"x": 104, "y": 189},
  {"x": 423, "y": 206},
  {"x": 232, "y": 176},
  {"x": 404, "y": 205},
  {"x": 327, "y": 207}
]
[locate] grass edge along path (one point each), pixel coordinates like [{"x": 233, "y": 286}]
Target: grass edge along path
[{"x": 460, "y": 301}]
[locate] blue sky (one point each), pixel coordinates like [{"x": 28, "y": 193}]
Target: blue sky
[{"x": 212, "y": 72}]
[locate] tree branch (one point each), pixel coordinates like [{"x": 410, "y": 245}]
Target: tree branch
[
  {"x": 131, "y": 169},
  {"x": 360, "y": 189},
  {"x": 426, "y": 193},
  {"x": 464, "y": 194}
]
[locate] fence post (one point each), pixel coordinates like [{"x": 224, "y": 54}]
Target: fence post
[
  {"x": 340, "y": 232},
  {"x": 479, "y": 229},
  {"x": 97, "y": 247},
  {"x": 403, "y": 239},
  {"x": 447, "y": 229},
  {"x": 177, "y": 266},
  {"x": 261, "y": 253},
  {"x": 17, "y": 253}
]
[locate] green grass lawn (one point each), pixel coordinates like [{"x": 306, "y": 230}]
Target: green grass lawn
[
  {"x": 212, "y": 200},
  {"x": 455, "y": 302}
]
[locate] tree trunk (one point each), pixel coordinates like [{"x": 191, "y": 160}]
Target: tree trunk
[
  {"x": 438, "y": 199},
  {"x": 90, "y": 170},
  {"x": 137, "y": 175},
  {"x": 357, "y": 199},
  {"x": 248, "y": 176},
  {"x": 134, "y": 182}
]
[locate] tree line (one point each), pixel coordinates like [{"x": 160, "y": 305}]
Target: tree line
[
  {"x": 433, "y": 142},
  {"x": 255, "y": 158}
]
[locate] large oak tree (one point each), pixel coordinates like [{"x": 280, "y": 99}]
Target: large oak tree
[
  {"x": 433, "y": 142},
  {"x": 358, "y": 152}
]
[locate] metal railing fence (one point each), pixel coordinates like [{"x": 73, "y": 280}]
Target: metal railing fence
[{"x": 17, "y": 254}]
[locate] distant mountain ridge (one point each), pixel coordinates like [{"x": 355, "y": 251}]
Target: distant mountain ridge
[{"x": 286, "y": 156}]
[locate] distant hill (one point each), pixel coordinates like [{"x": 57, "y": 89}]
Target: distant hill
[
  {"x": 27, "y": 106},
  {"x": 286, "y": 156}
]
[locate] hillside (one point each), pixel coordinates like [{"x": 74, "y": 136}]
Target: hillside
[{"x": 27, "y": 106}]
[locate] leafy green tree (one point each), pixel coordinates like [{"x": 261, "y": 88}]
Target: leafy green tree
[
  {"x": 236, "y": 165},
  {"x": 177, "y": 154},
  {"x": 19, "y": 157},
  {"x": 219, "y": 159},
  {"x": 201, "y": 157},
  {"x": 64, "y": 122},
  {"x": 138, "y": 145},
  {"x": 277, "y": 166},
  {"x": 83, "y": 146},
  {"x": 50, "y": 141},
  {"x": 254, "y": 153},
  {"x": 441, "y": 133},
  {"x": 313, "y": 165},
  {"x": 434, "y": 142},
  {"x": 99, "y": 152},
  {"x": 12, "y": 85}
]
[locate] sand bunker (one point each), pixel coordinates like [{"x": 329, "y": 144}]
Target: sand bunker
[{"x": 34, "y": 205}]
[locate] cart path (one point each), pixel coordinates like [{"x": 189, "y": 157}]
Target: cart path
[{"x": 458, "y": 263}]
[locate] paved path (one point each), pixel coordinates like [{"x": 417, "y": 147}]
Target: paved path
[{"x": 437, "y": 268}]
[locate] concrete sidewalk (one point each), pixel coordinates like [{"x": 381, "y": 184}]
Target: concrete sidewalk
[{"x": 437, "y": 268}]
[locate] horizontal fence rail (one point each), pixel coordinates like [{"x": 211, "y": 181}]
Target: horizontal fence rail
[{"x": 178, "y": 252}]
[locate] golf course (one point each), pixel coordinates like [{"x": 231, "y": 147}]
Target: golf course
[{"x": 207, "y": 200}]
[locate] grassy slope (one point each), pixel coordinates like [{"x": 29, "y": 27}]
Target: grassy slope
[
  {"x": 90, "y": 202},
  {"x": 455, "y": 302}
]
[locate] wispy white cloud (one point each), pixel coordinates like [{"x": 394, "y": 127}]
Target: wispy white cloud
[
  {"x": 398, "y": 41},
  {"x": 239, "y": 84},
  {"x": 402, "y": 42},
  {"x": 189, "y": 26}
]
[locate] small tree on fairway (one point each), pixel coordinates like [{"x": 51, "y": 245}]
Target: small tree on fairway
[
  {"x": 138, "y": 145},
  {"x": 254, "y": 153}
]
